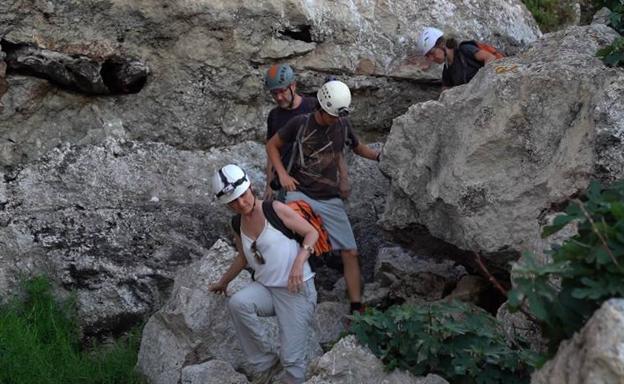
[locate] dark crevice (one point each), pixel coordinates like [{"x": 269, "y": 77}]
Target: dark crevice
[
  {"x": 123, "y": 76},
  {"x": 299, "y": 32},
  {"x": 418, "y": 239},
  {"x": 111, "y": 75}
]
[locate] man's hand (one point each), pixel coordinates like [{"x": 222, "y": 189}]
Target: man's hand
[
  {"x": 288, "y": 182},
  {"x": 218, "y": 288}
]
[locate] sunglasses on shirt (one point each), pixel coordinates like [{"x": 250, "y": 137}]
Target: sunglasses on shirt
[{"x": 257, "y": 254}]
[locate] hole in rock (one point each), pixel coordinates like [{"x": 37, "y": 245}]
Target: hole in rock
[{"x": 299, "y": 32}]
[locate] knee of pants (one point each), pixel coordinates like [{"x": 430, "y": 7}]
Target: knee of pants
[{"x": 238, "y": 304}]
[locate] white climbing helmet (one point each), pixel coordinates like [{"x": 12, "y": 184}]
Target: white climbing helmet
[
  {"x": 335, "y": 98},
  {"x": 229, "y": 183},
  {"x": 427, "y": 39}
]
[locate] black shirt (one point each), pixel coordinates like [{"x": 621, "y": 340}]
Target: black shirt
[
  {"x": 464, "y": 67},
  {"x": 278, "y": 117}
]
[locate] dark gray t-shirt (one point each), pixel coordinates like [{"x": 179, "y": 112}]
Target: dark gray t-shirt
[
  {"x": 464, "y": 66},
  {"x": 322, "y": 147}
]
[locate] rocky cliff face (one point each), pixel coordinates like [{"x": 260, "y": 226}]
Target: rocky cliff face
[
  {"x": 481, "y": 166},
  {"x": 111, "y": 113},
  {"x": 197, "y": 66}
]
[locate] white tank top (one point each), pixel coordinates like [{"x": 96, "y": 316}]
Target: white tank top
[{"x": 279, "y": 253}]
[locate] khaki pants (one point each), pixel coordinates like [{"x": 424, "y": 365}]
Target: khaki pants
[{"x": 295, "y": 318}]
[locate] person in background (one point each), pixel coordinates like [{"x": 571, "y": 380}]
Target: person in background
[
  {"x": 461, "y": 61},
  {"x": 319, "y": 141},
  {"x": 283, "y": 285},
  {"x": 280, "y": 81}
]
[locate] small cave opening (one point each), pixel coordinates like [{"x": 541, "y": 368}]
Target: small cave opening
[
  {"x": 300, "y": 32},
  {"x": 124, "y": 76},
  {"x": 114, "y": 75}
]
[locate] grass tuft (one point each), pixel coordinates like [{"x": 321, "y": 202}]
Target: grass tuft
[{"x": 40, "y": 344}]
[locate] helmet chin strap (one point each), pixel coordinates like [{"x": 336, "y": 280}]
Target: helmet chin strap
[{"x": 292, "y": 98}]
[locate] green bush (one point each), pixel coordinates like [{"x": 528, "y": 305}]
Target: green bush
[
  {"x": 550, "y": 15},
  {"x": 613, "y": 54},
  {"x": 39, "y": 343},
  {"x": 585, "y": 270},
  {"x": 458, "y": 341}
]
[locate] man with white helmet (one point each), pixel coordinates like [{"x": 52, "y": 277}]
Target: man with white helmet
[
  {"x": 461, "y": 61},
  {"x": 280, "y": 81},
  {"x": 318, "y": 141},
  {"x": 284, "y": 282}
]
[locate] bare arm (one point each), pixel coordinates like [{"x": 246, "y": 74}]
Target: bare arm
[
  {"x": 273, "y": 146},
  {"x": 484, "y": 56},
  {"x": 299, "y": 225},
  {"x": 235, "y": 268},
  {"x": 366, "y": 151}
]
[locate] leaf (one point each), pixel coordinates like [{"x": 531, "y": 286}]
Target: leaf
[
  {"x": 537, "y": 307},
  {"x": 558, "y": 223}
]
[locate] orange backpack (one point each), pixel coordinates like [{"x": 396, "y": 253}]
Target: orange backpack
[
  {"x": 490, "y": 48},
  {"x": 303, "y": 209}
]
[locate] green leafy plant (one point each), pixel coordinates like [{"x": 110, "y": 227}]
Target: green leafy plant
[
  {"x": 40, "y": 344},
  {"x": 585, "y": 270},
  {"x": 458, "y": 341},
  {"x": 616, "y": 18},
  {"x": 550, "y": 15},
  {"x": 613, "y": 54}
]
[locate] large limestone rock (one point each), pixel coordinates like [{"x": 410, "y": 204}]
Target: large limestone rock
[
  {"x": 115, "y": 222},
  {"x": 349, "y": 362},
  {"x": 206, "y": 60},
  {"x": 194, "y": 325},
  {"x": 480, "y": 166},
  {"x": 593, "y": 355},
  {"x": 212, "y": 372}
]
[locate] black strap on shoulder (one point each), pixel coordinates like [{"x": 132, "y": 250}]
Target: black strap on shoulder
[
  {"x": 275, "y": 221},
  {"x": 236, "y": 224}
]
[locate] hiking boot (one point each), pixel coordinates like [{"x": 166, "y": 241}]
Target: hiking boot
[{"x": 265, "y": 377}]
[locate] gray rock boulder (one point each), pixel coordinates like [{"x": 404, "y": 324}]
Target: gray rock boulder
[
  {"x": 330, "y": 321},
  {"x": 414, "y": 279},
  {"x": 212, "y": 372},
  {"x": 349, "y": 362},
  {"x": 194, "y": 325},
  {"x": 482, "y": 164},
  {"x": 207, "y": 60},
  {"x": 593, "y": 355},
  {"x": 365, "y": 206},
  {"x": 115, "y": 222}
]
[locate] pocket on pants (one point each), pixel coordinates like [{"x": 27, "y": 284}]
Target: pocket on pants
[{"x": 309, "y": 291}]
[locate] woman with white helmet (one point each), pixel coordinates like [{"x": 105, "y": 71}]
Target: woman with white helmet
[
  {"x": 461, "y": 61},
  {"x": 284, "y": 282}
]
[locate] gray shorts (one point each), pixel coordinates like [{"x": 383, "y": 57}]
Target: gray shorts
[{"x": 335, "y": 219}]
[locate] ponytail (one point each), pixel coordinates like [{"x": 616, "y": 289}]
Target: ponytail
[{"x": 451, "y": 43}]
